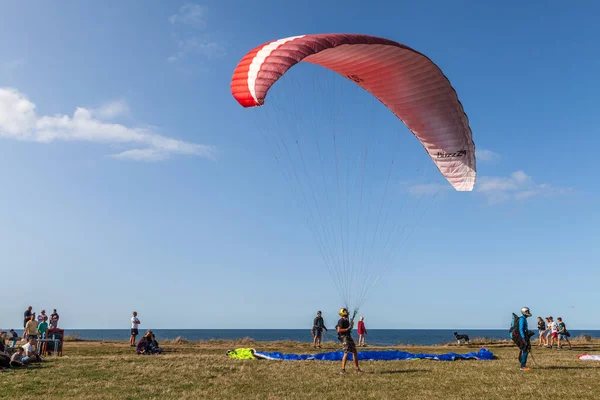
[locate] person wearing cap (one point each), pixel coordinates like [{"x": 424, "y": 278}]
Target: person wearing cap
[
  {"x": 524, "y": 333},
  {"x": 344, "y": 328},
  {"x": 317, "y": 330}
]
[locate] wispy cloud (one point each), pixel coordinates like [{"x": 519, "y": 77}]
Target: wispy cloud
[
  {"x": 486, "y": 155},
  {"x": 190, "y": 14},
  {"x": 186, "y": 23},
  {"x": 517, "y": 186},
  {"x": 19, "y": 121},
  {"x": 111, "y": 110},
  {"x": 197, "y": 45}
]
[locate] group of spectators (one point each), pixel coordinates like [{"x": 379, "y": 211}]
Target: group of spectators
[
  {"x": 34, "y": 328},
  {"x": 552, "y": 331}
]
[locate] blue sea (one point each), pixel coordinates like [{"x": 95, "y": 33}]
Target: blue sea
[{"x": 381, "y": 337}]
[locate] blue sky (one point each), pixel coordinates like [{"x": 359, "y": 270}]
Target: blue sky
[{"x": 131, "y": 178}]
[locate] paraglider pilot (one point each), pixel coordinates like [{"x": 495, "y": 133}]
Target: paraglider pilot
[
  {"x": 525, "y": 346},
  {"x": 344, "y": 327}
]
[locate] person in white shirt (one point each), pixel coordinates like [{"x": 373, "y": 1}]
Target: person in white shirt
[
  {"x": 553, "y": 330},
  {"x": 31, "y": 351},
  {"x": 135, "y": 322}
]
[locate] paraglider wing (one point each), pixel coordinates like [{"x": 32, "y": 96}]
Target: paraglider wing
[{"x": 406, "y": 81}]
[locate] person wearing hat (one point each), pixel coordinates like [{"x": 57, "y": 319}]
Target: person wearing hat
[
  {"x": 524, "y": 333},
  {"x": 318, "y": 326},
  {"x": 344, "y": 328}
]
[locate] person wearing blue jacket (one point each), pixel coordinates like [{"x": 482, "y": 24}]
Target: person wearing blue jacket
[{"x": 524, "y": 333}]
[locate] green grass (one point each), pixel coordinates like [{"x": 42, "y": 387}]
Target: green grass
[{"x": 112, "y": 370}]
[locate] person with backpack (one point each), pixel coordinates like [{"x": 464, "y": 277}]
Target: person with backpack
[
  {"x": 563, "y": 334},
  {"x": 520, "y": 334}
]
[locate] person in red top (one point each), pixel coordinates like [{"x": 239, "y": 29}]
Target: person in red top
[{"x": 362, "y": 331}]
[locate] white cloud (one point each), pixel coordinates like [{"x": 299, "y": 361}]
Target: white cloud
[
  {"x": 142, "y": 155},
  {"x": 190, "y": 14},
  {"x": 486, "y": 155},
  {"x": 19, "y": 121},
  {"x": 111, "y": 110},
  {"x": 189, "y": 43},
  {"x": 517, "y": 186}
]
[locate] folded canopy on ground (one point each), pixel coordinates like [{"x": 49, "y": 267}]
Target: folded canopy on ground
[
  {"x": 588, "y": 357},
  {"x": 387, "y": 355}
]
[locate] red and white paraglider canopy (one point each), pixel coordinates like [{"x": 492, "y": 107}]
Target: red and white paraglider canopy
[{"x": 406, "y": 81}]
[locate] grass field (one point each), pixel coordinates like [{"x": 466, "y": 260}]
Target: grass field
[{"x": 112, "y": 370}]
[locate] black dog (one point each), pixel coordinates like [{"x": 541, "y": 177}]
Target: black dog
[{"x": 461, "y": 337}]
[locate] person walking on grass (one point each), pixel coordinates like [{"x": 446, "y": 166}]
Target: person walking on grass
[
  {"x": 317, "y": 329},
  {"x": 552, "y": 333},
  {"x": 362, "y": 331},
  {"x": 344, "y": 328},
  {"x": 135, "y": 322},
  {"x": 541, "y": 330},
  {"x": 563, "y": 334}
]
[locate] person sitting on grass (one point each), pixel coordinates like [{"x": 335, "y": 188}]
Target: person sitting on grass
[
  {"x": 31, "y": 351},
  {"x": 19, "y": 359},
  {"x": 148, "y": 345},
  {"x": 4, "y": 356},
  {"x": 344, "y": 327},
  {"x": 14, "y": 337}
]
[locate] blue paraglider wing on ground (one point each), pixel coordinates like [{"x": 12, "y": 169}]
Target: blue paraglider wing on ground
[{"x": 388, "y": 355}]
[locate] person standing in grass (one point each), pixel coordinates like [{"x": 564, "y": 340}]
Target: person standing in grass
[
  {"x": 54, "y": 319},
  {"x": 27, "y": 315},
  {"x": 344, "y": 328},
  {"x": 318, "y": 326},
  {"x": 541, "y": 330},
  {"x": 43, "y": 327},
  {"x": 362, "y": 331},
  {"x": 135, "y": 322},
  {"x": 522, "y": 337},
  {"x": 31, "y": 328},
  {"x": 40, "y": 318},
  {"x": 563, "y": 334}
]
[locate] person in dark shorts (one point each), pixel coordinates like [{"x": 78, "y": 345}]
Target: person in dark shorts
[
  {"x": 135, "y": 322},
  {"x": 344, "y": 329},
  {"x": 317, "y": 330},
  {"x": 563, "y": 334},
  {"x": 27, "y": 315}
]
